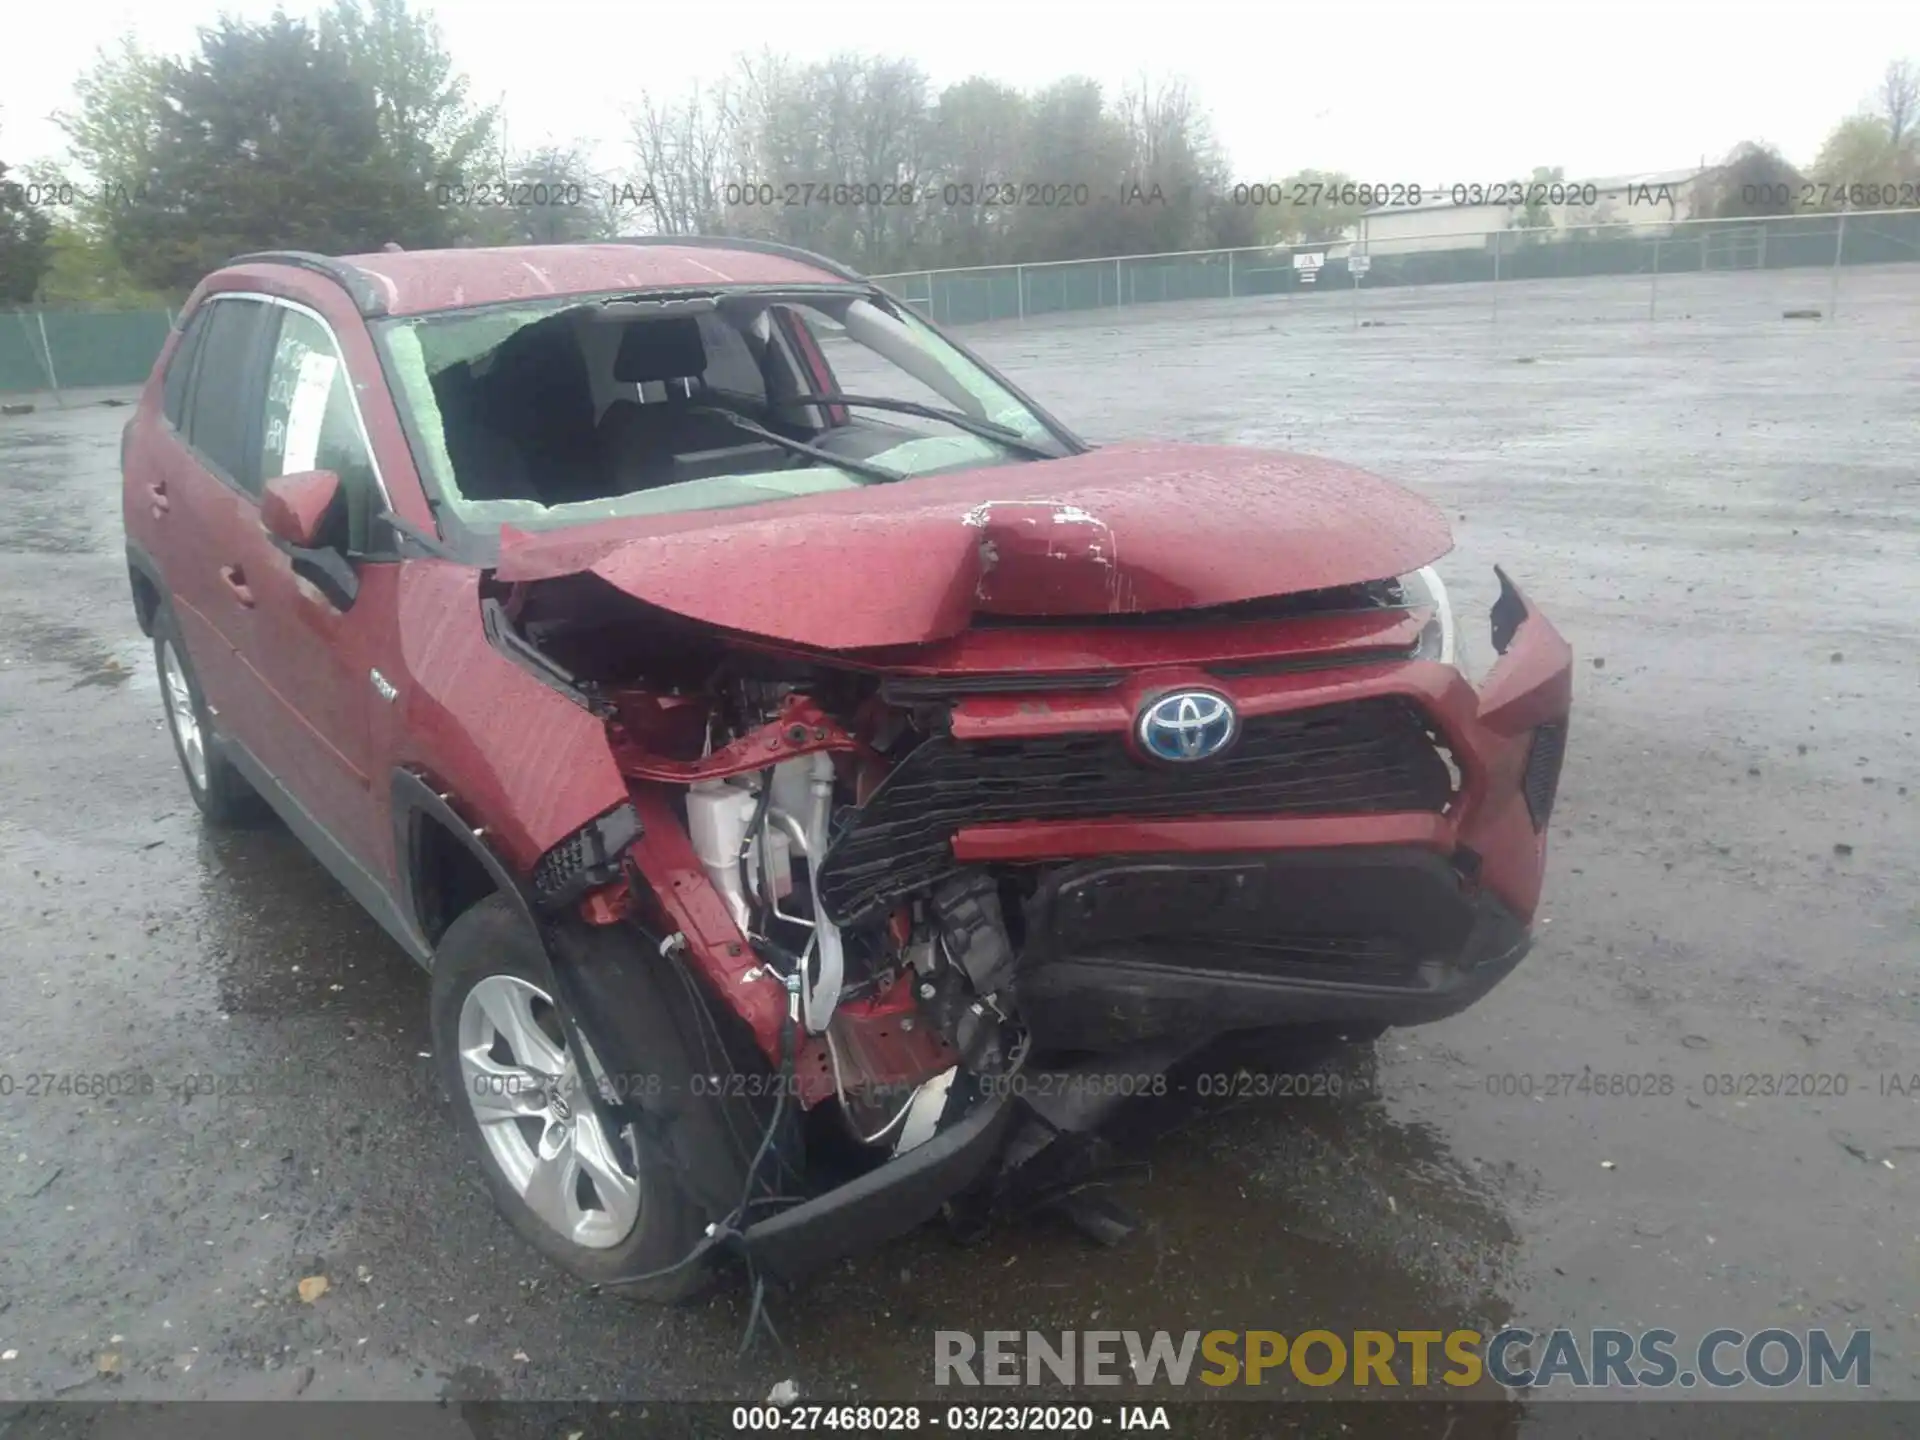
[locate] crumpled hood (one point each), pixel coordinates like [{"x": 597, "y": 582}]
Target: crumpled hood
[{"x": 1119, "y": 530}]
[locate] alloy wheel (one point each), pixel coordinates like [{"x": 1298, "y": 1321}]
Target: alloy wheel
[
  {"x": 182, "y": 716},
  {"x": 543, "y": 1133}
]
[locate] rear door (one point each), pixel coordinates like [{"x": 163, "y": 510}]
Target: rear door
[{"x": 201, "y": 487}]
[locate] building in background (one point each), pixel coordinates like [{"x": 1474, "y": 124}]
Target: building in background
[{"x": 1451, "y": 218}]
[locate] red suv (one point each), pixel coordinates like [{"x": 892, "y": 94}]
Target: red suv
[{"x": 817, "y": 782}]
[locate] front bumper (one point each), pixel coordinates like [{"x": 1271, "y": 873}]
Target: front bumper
[
  {"x": 1144, "y": 930},
  {"x": 1129, "y": 952}
]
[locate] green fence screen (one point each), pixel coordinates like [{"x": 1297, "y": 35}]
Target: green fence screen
[{"x": 77, "y": 349}]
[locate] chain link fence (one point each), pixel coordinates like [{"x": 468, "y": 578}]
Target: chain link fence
[
  {"x": 61, "y": 349},
  {"x": 1799, "y": 242},
  {"x": 64, "y": 349}
]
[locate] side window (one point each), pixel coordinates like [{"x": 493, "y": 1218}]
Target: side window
[
  {"x": 310, "y": 422},
  {"x": 218, "y": 425},
  {"x": 180, "y": 370}
]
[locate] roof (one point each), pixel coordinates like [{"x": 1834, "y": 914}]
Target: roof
[
  {"x": 1442, "y": 199},
  {"x": 411, "y": 282}
]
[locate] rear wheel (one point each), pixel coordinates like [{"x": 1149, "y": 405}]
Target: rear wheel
[
  {"x": 601, "y": 1206},
  {"x": 219, "y": 790}
]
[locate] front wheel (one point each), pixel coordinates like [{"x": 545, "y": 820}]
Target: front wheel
[{"x": 601, "y": 1206}]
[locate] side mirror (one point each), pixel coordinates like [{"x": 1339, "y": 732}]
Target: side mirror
[
  {"x": 298, "y": 511},
  {"x": 296, "y": 508}
]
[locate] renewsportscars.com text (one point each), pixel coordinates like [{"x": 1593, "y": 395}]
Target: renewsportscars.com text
[{"x": 1520, "y": 1359}]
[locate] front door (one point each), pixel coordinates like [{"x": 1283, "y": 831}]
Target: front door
[{"x": 310, "y": 653}]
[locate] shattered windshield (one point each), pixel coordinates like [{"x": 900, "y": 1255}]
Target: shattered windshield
[{"x": 542, "y": 415}]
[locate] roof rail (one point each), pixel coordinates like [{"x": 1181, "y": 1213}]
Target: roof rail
[
  {"x": 741, "y": 242},
  {"x": 367, "y": 297}
]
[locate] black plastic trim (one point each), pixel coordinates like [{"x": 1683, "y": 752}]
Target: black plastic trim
[
  {"x": 414, "y": 800},
  {"x": 588, "y": 857},
  {"x": 1090, "y": 982},
  {"x": 923, "y": 689},
  {"x": 392, "y": 911},
  {"x": 1509, "y": 611},
  {"x": 500, "y": 634},
  {"x": 367, "y": 297},
  {"x": 140, "y": 562},
  {"x": 1541, "y": 780}
]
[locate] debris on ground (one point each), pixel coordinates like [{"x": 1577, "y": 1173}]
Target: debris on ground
[
  {"x": 313, "y": 1287},
  {"x": 783, "y": 1394}
]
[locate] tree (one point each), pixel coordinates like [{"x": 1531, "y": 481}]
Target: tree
[
  {"x": 1071, "y": 139},
  {"x": 1173, "y": 169},
  {"x": 1533, "y": 213},
  {"x": 1900, "y": 100},
  {"x": 1308, "y": 207},
  {"x": 976, "y": 139},
  {"x": 684, "y": 154},
  {"x": 430, "y": 133},
  {"x": 1753, "y": 181},
  {"x": 112, "y": 133},
  {"x": 824, "y": 153},
  {"x": 854, "y": 157},
  {"x": 24, "y": 231},
  {"x": 266, "y": 139},
  {"x": 557, "y": 198},
  {"x": 82, "y": 269},
  {"x": 1877, "y": 148}
]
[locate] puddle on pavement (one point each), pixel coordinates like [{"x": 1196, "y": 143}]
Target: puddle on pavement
[
  {"x": 50, "y": 480},
  {"x": 94, "y": 663},
  {"x": 1278, "y": 1215},
  {"x": 285, "y": 939}
]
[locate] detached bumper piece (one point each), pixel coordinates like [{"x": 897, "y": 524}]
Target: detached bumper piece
[{"x": 885, "y": 1202}]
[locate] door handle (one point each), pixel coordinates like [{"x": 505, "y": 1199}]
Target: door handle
[
  {"x": 157, "y": 494},
  {"x": 236, "y": 581}
]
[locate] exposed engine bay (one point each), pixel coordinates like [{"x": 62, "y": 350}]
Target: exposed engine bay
[
  {"x": 973, "y": 805},
  {"x": 947, "y": 883},
  {"x": 770, "y": 759}
]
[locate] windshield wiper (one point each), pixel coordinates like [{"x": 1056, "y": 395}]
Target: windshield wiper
[
  {"x": 985, "y": 429},
  {"x": 878, "y": 473}
]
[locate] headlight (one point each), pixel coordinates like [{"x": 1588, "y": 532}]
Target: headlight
[{"x": 1439, "y": 640}]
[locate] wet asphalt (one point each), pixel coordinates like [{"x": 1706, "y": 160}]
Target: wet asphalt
[{"x": 1719, "y": 508}]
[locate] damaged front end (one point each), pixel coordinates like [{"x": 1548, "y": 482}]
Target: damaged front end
[{"x": 959, "y": 893}]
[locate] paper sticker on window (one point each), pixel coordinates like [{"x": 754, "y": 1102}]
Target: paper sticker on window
[{"x": 307, "y": 411}]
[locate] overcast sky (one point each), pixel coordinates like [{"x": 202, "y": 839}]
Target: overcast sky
[{"x": 1431, "y": 91}]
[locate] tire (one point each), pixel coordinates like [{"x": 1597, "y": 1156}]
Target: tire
[
  {"x": 221, "y": 792},
  {"x": 488, "y": 963}
]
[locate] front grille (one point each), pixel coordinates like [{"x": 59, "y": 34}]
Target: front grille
[{"x": 1367, "y": 756}]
